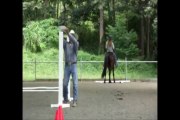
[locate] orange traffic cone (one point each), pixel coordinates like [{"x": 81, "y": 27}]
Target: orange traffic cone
[{"x": 59, "y": 114}]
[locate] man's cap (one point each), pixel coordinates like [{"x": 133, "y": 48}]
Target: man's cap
[
  {"x": 75, "y": 35},
  {"x": 72, "y": 32},
  {"x": 63, "y": 28}
]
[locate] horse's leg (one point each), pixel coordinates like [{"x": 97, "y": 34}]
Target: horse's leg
[
  {"x": 113, "y": 75},
  {"x": 105, "y": 75},
  {"x": 109, "y": 75}
]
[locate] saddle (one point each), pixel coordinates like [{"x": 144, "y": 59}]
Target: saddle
[{"x": 110, "y": 54}]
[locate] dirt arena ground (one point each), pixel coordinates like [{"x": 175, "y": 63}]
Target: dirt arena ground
[{"x": 97, "y": 101}]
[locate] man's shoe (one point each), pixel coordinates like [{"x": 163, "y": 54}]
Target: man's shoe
[
  {"x": 74, "y": 104},
  {"x": 66, "y": 101}
]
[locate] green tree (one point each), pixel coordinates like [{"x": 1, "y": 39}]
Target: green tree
[
  {"x": 145, "y": 12},
  {"x": 41, "y": 35},
  {"x": 124, "y": 40}
]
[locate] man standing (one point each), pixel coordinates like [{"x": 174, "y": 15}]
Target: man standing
[{"x": 70, "y": 50}]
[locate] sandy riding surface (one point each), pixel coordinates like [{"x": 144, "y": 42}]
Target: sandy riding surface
[{"x": 97, "y": 101}]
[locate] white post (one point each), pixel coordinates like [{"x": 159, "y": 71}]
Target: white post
[
  {"x": 126, "y": 68},
  {"x": 60, "y": 93},
  {"x": 69, "y": 90},
  {"x": 61, "y": 73}
]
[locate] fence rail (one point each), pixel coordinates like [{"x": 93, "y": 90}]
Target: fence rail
[
  {"x": 35, "y": 62},
  {"x": 91, "y": 61}
]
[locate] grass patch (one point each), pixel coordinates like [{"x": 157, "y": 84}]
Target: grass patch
[{"x": 85, "y": 70}]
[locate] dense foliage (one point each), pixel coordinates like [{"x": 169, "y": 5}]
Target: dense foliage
[
  {"x": 40, "y": 35},
  {"x": 131, "y": 23},
  {"x": 124, "y": 40}
]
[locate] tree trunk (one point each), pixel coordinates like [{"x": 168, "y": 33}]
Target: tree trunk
[
  {"x": 57, "y": 9},
  {"x": 46, "y": 4},
  {"x": 113, "y": 12},
  {"x": 101, "y": 30},
  {"x": 151, "y": 46},
  {"x": 148, "y": 39},
  {"x": 64, "y": 14},
  {"x": 142, "y": 36},
  {"x": 109, "y": 12}
]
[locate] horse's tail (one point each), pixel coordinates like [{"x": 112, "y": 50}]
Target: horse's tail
[{"x": 103, "y": 73}]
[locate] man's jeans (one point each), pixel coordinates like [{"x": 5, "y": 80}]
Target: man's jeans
[{"x": 70, "y": 70}]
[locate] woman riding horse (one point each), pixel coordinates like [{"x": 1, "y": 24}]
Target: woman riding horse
[{"x": 109, "y": 49}]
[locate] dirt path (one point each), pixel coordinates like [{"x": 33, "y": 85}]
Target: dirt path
[{"x": 97, "y": 101}]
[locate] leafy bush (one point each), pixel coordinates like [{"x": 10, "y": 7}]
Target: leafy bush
[
  {"x": 28, "y": 56},
  {"x": 85, "y": 70},
  {"x": 88, "y": 37},
  {"x": 84, "y": 56},
  {"x": 37, "y": 10},
  {"x": 40, "y": 35}
]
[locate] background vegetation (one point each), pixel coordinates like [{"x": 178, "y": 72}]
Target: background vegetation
[{"x": 131, "y": 23}]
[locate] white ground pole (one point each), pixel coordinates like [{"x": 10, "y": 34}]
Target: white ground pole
[
  {"x": 119, "y": 81},
  {"x": 60, "y": 92},
  {"x": 126, "y": 69},
  {"x": 69, "y": 90},
  {"x": 126, "y": 62}
]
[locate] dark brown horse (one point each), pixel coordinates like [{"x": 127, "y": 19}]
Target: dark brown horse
[{"x": 110, "y": 65}]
